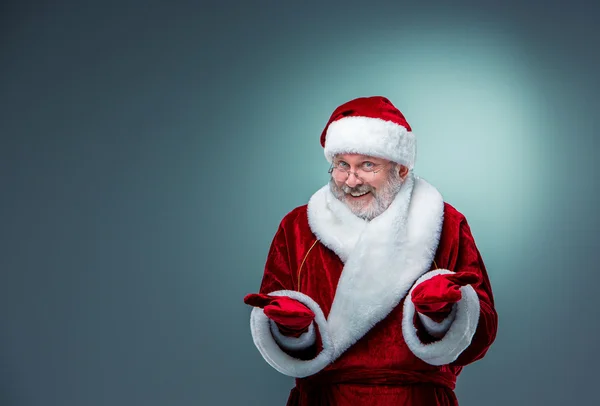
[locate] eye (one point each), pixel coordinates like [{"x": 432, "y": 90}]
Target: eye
[
  {"x": 342, "y": 165},
  {"x": 368, "y": 166}
]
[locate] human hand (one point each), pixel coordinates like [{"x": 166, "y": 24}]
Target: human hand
[
  {"x": 291, "y": 316},
  {"x": 436, "y": 296}
]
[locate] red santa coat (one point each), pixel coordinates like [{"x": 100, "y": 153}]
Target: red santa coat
[{"x": 367, "y": 345}]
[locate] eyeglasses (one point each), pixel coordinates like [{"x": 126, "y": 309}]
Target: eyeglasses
[{"x": 366, "y": 173}]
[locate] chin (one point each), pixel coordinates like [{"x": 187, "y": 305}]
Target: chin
[{"x": 362, "y": 211}]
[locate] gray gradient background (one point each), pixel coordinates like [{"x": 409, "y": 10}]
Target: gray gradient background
[{"x": 150, "y": 150}]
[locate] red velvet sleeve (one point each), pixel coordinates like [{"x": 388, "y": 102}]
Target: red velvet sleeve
[
  {"x": 469, "y": 259},
  {"x": 278, "y": 275}
]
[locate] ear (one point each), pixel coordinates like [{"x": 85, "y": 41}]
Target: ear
[{"x": 403, "y": 171}]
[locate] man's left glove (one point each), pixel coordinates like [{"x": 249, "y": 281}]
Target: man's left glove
[
  {"x": 292, "y": 317},
  {"x": 436, "y": 296}
]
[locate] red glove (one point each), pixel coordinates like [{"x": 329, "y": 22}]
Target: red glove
[
  {"x": 436, "y": 296},
  {"x": 292, "y": 317}
]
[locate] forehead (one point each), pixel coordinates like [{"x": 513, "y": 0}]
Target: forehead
[{"x": 357, "y": 158}]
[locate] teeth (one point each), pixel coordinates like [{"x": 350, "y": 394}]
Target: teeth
[{"x": 358, "y": 194}]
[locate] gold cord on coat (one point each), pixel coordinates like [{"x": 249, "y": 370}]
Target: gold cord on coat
[{"x": 300, "y": 269}]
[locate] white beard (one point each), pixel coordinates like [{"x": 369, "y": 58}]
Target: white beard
[{"x": 381, "y": 200}]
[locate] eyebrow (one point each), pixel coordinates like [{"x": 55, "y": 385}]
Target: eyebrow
[{"x": 361, "y": 162}]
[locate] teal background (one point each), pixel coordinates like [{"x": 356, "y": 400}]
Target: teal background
[{"x": 150, "y": 149}]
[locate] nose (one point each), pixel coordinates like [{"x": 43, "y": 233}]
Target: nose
[{"x": 353, "y": 180}]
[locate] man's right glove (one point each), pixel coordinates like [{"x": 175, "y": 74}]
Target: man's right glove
[{"x": 292, "y": 317}]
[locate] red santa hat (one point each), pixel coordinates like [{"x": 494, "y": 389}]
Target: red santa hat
[{"x": 370, "y": 126}]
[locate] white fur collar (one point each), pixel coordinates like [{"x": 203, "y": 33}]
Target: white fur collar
[{"x": 382, "y": 258}]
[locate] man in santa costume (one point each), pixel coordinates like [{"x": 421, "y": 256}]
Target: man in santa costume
[{"x": 374, "y": 293}]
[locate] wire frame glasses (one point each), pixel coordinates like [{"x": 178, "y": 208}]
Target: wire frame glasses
[{"x": 365, "y": 174}]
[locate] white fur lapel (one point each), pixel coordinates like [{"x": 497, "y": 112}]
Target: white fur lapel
[
  {"x": 382, "y": 258},
  {"x": 333, "y": 223}
]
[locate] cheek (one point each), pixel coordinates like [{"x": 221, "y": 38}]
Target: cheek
[
  {"x": 338, "y": 183},
  {"x": 376, "y": 184}
]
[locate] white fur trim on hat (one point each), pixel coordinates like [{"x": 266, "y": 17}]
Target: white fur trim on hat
[{"x": 373, "y": 137}]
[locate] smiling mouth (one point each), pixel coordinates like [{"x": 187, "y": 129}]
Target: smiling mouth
[{"x": 359, "y": 196}]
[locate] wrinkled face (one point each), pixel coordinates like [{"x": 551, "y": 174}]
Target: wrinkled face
[{"x": 371, "y": 192}]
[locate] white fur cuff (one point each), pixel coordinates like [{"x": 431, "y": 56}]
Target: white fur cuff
[
  {"x": 294, "y": 343},
  {"x": 273, "y": 353},
  {"x": 436, "y": 329},
  {"x": 459, "y": 335}
]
